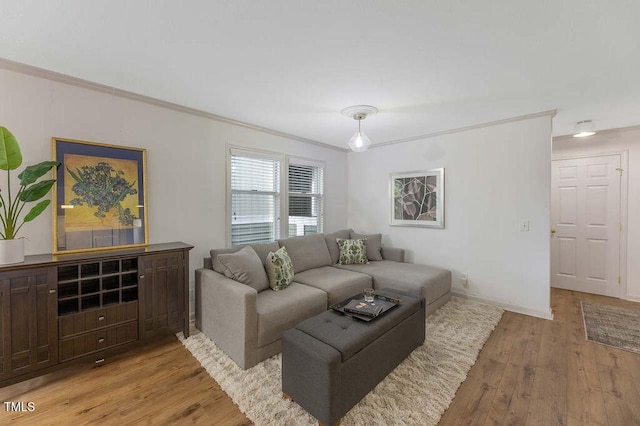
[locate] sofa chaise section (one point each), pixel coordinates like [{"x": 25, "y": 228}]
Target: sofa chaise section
[{"x": 434, "y": 284}]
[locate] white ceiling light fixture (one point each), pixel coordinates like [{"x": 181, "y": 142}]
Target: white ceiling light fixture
[
  {"x": 359, "y": 142},
  {"x": 584, "y": 128}
]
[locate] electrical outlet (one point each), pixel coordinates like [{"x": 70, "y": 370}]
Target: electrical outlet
[
  {"x": 524, "y": 226},
  {"x": 464, "y": 279}
]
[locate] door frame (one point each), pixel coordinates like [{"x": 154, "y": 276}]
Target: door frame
[{"x": 624, "y": 198}]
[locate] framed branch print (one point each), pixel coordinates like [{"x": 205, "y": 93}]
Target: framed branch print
[
  {"x": 100, "y": 195},
  {"x": 417, "y": 198}
]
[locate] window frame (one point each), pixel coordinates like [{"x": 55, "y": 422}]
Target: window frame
[
  {"x": 290, "y": 159},
  {"x": 283, "y": 195},
  {"x": 259, "y": 154}
]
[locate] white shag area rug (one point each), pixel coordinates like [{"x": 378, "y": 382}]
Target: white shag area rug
[{"x": 418, "y": 391}]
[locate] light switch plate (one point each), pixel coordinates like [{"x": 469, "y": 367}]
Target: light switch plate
[{"x": 524, "y": 226}]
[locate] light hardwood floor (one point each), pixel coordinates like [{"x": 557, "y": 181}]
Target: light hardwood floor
[
  {"x": 530, "y": 371},
  {"x": 538, "y": 372},
  {"x": 160, "y": 384}
]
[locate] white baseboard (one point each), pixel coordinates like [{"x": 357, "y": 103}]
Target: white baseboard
[
  {"x": 506, "y": 306},
  {"x": 632, "y": 298}
]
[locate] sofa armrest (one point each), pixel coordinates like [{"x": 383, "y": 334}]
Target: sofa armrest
[
  {"x": 226, "y": 313},
  {"x": 392, "y": 253}
]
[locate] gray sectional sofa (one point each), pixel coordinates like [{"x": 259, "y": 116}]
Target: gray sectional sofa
[{"x": 247, "y": 323}]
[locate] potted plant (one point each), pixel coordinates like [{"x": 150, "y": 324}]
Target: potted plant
[{"x": 12, "y": 204}]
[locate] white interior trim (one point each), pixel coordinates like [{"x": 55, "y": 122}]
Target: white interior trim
[
  {"x": 19, "y": 67},
  {"x": 551, "y": 113},
  {"x": 86, "y": 84},
  {"x": 624, "y": 216},
  {"x": 506, "y": 306}
]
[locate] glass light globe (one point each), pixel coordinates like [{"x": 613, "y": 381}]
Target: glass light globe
[{"x": 359, "y": 142}]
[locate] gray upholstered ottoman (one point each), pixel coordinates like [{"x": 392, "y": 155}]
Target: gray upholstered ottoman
[{"x": 331, "y": 361}]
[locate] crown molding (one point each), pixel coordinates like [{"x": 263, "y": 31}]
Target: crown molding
[
  {"x": 551, "y": 113},
  {"x": 31, "y": 70}
]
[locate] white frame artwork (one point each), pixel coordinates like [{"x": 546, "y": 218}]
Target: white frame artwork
[{"x": 417, "y": 198}]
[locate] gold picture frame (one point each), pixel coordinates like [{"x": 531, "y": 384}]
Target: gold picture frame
[{"x": 100, "y": 197}]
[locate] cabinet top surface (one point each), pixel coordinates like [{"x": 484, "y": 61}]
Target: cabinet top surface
[{"x": 48, "y": 259}]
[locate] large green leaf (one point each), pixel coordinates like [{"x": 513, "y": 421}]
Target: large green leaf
[
  {"x": 32, "y": 173},
  {"x": 37, "y": 190},
  {"x": 35, "y": 212},
  {"x": 10, "y": 155}
]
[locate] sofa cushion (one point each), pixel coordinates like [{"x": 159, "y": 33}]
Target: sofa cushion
[
  {"x": 307, "y": 252},
  {"x": 426, "y": 281},
  {"x": 352, "y": 252},
  {"x": 281, "y": 310},
  {"x": 279, "y": 269},
  {"x": 332, "y": 243},
  {"x": 337, "y": 283},
  {"x": 374, "y": 245},
  {"x": 261, "y": 249},
  {"x": 244, "y": 266}
]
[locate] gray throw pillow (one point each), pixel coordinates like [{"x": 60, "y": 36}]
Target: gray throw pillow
[
  {"x": 374, "y": 245},
  {"x": 215, "y": 263},
  {"x": 245, "y": 267}
]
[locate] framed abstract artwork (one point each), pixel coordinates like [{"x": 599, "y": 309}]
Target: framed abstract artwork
[
  {"x": 417, "y": 198},
  {"x": 100, "y": 197}
]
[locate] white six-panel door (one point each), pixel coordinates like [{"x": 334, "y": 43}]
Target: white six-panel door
[{"x": 585, "y": 215}]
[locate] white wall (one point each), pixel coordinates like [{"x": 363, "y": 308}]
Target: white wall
[
  {"x": 607, "y": 142},
  {"x": 495, "y": 177},
  {"x": 185, "y": 156}
]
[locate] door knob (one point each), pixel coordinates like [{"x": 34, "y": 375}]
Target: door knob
[{"x": 553, "y": 230}]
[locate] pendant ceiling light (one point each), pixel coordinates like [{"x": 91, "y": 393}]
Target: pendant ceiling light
[
  {"x": 584, "y": 128},
  {"x": 359, "y": 142}
]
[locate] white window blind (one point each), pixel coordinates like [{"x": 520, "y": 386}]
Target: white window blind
[
  {"x": 255, "y": 198},
  {"x": 306, "y": 191}
]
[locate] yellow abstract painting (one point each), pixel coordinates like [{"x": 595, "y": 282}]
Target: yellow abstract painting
[{"x": 100, "y": 193}]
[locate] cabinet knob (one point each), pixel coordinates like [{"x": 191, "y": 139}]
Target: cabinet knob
[
  {"x": 99, "y": 361},
  {"x": 141, "y": 277},
  {"x": 52, "y": 291},
  {"x": 100, "y": 340},
  {"x": 101, "y": 318}
]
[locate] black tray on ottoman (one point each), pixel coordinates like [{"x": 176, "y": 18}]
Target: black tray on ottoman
[
  {"x": 331, "y": 361},
  {"x": 387, "y": 303}
]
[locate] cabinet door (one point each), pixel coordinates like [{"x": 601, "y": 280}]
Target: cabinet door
[
  {"x": 29, "y": 326},
  {"x": 161, "y": 293}
]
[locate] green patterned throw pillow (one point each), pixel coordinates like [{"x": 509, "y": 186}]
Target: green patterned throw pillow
[
  {"x": 279, "y": 269},
  {"x": 352, "y": 252}
]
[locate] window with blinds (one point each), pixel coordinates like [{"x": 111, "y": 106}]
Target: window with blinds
[
  {"x": 255, "y": 198},
  {"x": 306, "y": 190}
]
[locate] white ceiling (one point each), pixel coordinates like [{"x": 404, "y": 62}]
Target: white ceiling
[{"x": 293, "y": 65}]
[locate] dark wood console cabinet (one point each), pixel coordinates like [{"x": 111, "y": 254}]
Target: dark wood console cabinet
[{"x": 59, "y": 310}]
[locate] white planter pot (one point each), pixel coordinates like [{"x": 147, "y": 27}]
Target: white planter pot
[{"x": 11, "y": 251}]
